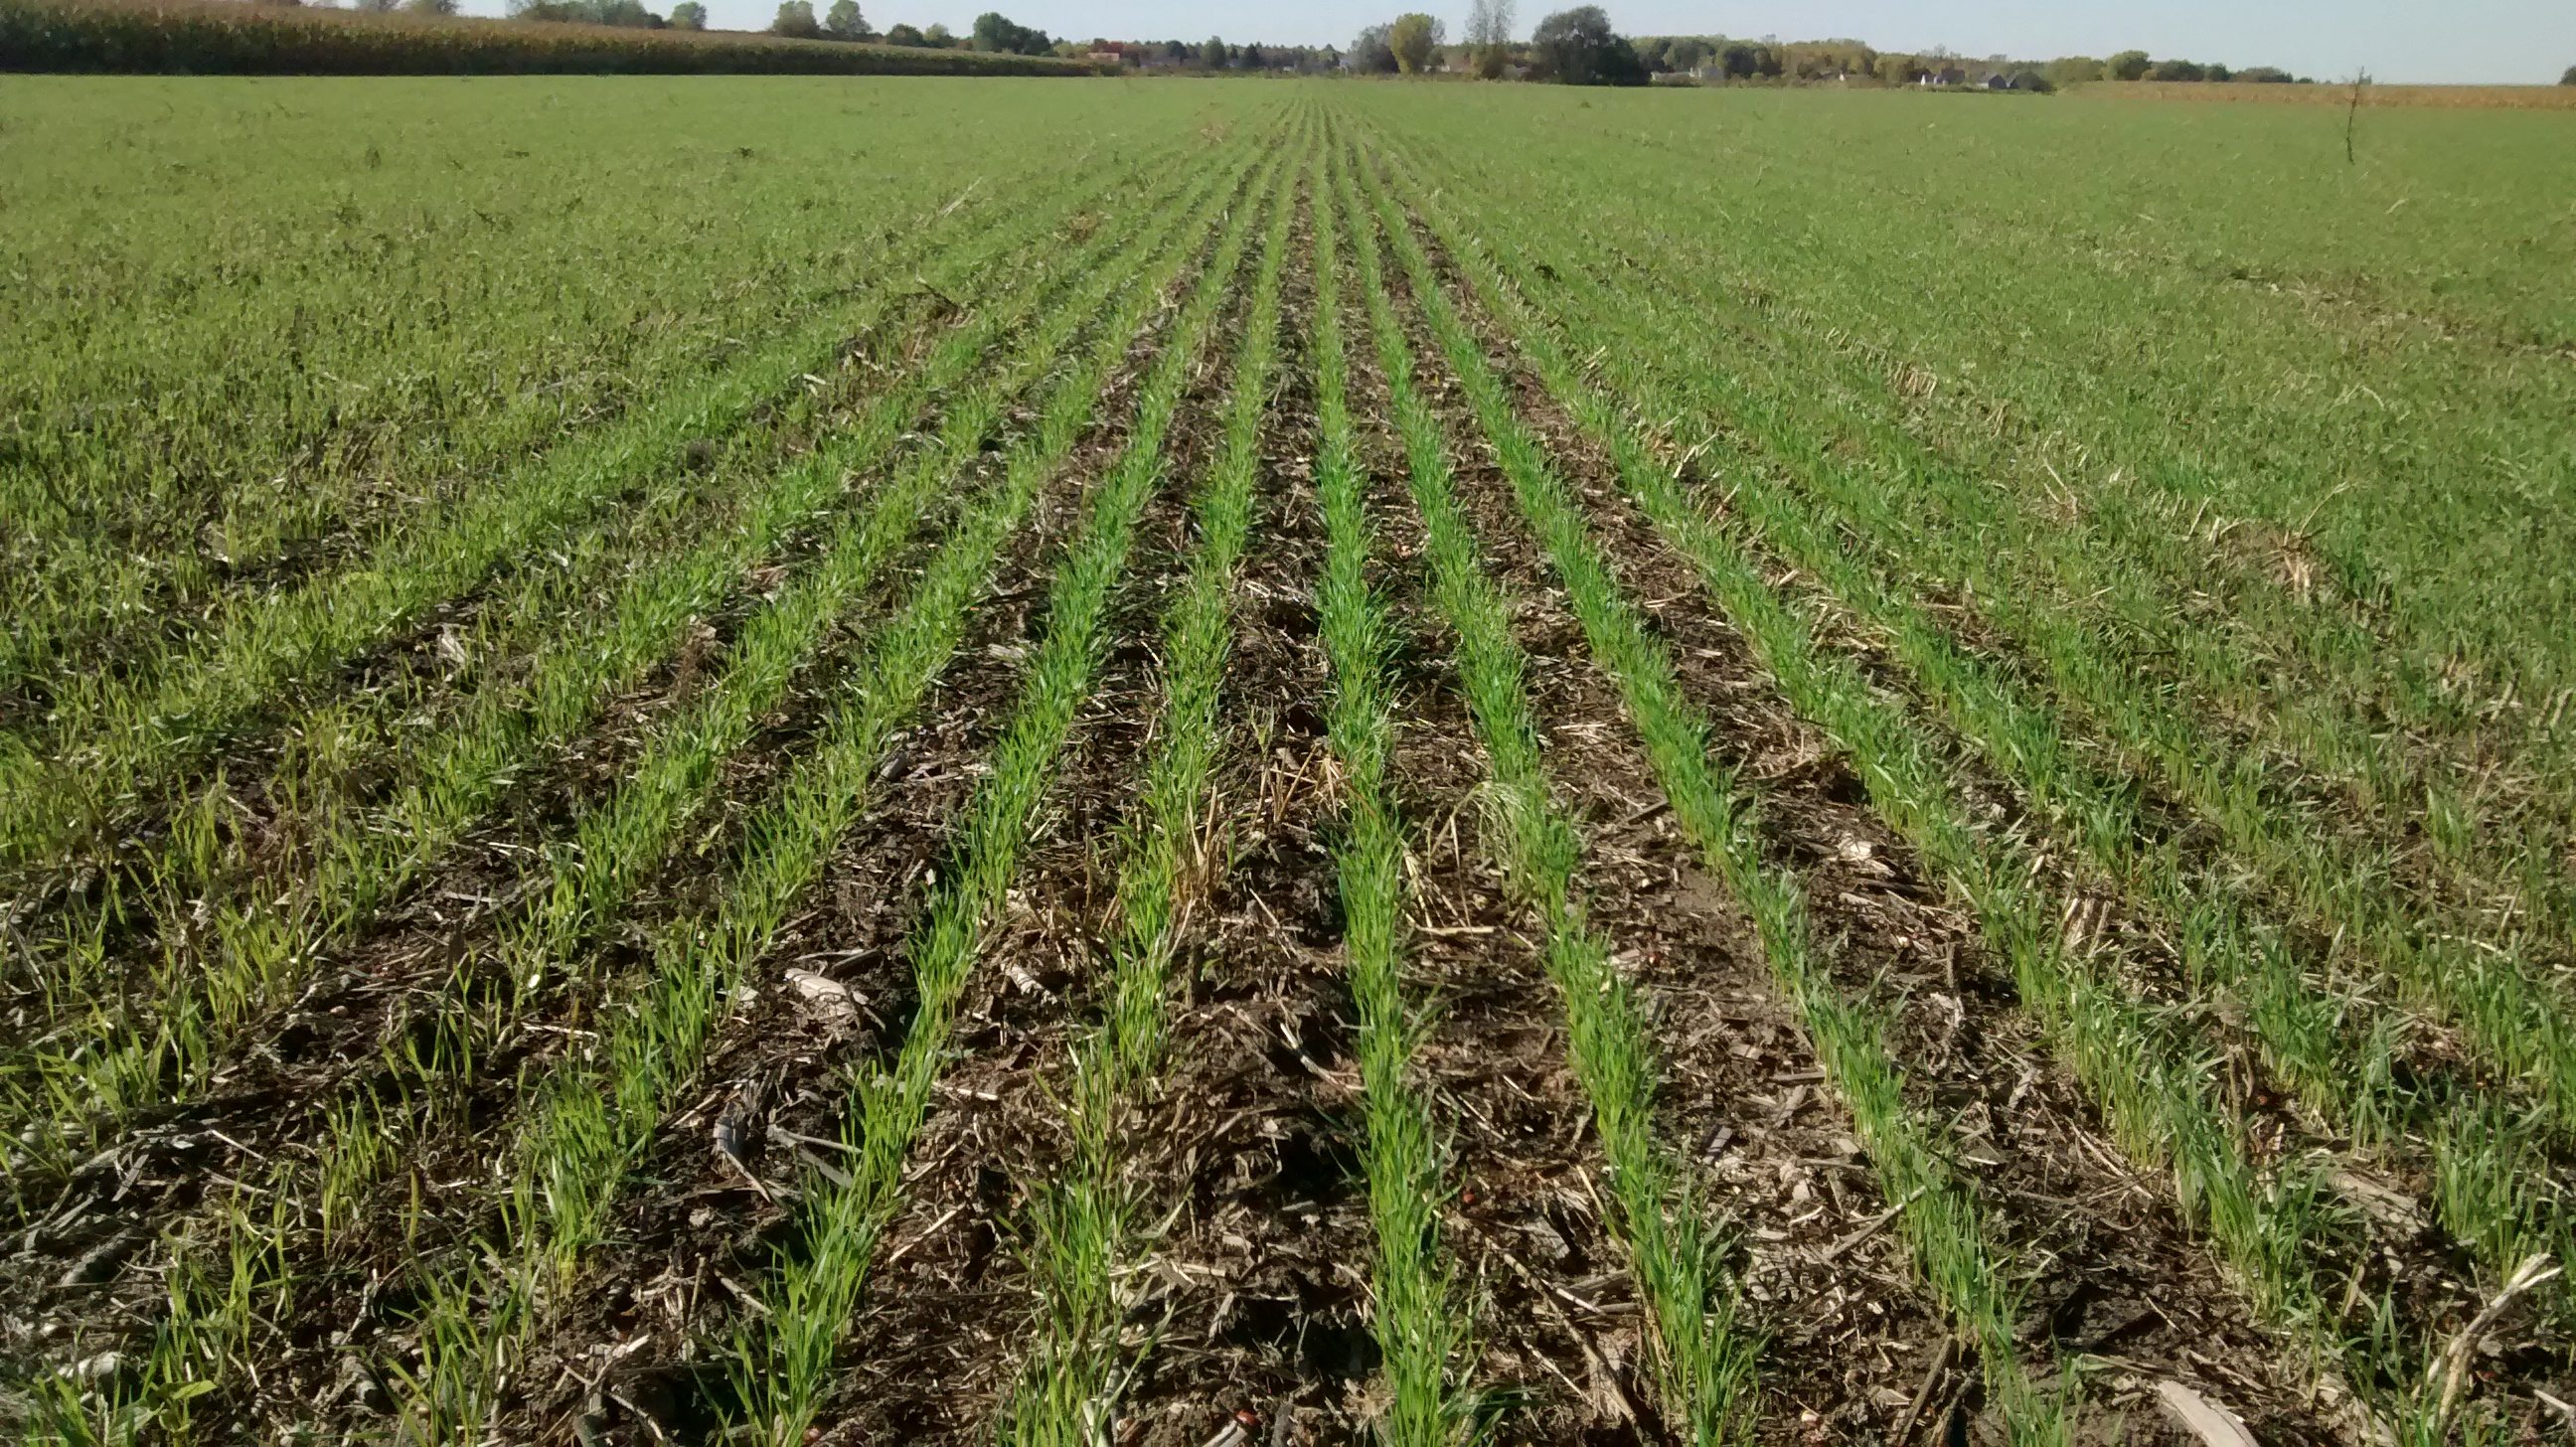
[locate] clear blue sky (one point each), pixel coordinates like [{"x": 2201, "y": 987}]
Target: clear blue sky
[{"x": 2396, "y": 40}]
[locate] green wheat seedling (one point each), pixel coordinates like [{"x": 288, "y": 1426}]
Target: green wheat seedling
[
  {"x": 2488, "y": 1156},
  {"x": 2197, "y": 522},
  {"x": 591, "y": 1122},
  {"x": 2154, "y": 1083},
  {"x": 319, "y": 329},
  {"x": 480, "y": 1311},
  {"x": 1707, "y": 1366},
  {"x": 119, "y": 738},
  {"x": 1422, "y": 1333},
  {"x": 361, "y": 1137},
  {"x": 781, "y": 1360},
  {"x": 262, "y": 950},
  {"x": 2068, "y": 610},
  {"x": 1084, "y": 1224}
]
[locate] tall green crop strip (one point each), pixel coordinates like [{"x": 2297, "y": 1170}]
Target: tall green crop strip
[
  {"x": 783, "y": 1357},
  {"x": 1706, "y": 1366},
  {"x": 1083, "y": 1224}
]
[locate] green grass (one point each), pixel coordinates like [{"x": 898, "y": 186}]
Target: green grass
[{"x": 2335, "y": 1043}]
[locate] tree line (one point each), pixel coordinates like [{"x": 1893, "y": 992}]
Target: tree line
[
  {"x": 1570, "y": 47},
  {"x": 1575, "y": 47},
  {"x": 1719, "y": 57}
]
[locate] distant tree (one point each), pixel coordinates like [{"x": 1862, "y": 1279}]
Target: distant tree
[
  {"x": 1413, "y": 38},
  {"x": 2128, "y": 65},
  {"x": 630, "y": 14},
  {"x": 1251, "y": 58},
  {"x": 1489, "y": 36},
  {"x": 938, "y": 36},
  {"x": 1372, "y": 53},
  {"x": 901, "y": 33},
  {"x": 1740, "y": 59},
  {"x": 436, "y": 7},
  {"x": 997, "y": 32},
  {"x": 796, "y": 18},
  {"x": 1213, "y": 53},
  {"x": 687, "y": 15},
  {"x": 2217, "y": 72},
  {"x": 2074, "y": 69},
  {"x": 2569, "y": 78},
  {"x": 844, "y": 22},
  {"x": 1685, "y": 52},
  {"x": 1896, "y": 69},
  {"x": 1578, "y": 47},
  {"x": 2032, "y": 81},
  {"x": 2263, "y": 75},
  {"x": 2176, "y": 70},
  {"x": 373, "y": 7}
]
